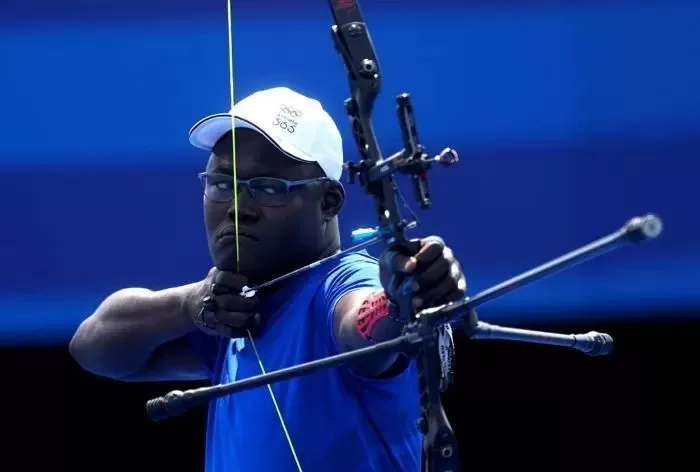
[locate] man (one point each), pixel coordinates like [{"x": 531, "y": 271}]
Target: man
[{"x": 288, "y": 158}]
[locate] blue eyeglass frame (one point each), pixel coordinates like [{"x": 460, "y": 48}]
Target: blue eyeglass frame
[{"x": 289, "y": 184}]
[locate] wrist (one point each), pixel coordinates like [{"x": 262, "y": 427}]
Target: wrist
[
  {"x": 193, "y": 303},
  {"x": 393, "y": 311},
  {"x": 178, "y": 304}
]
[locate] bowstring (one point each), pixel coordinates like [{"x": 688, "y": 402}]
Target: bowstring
[{"x": 229, "y": 15}]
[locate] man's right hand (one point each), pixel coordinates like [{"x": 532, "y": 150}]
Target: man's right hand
[{"x": 216, "y": 306}]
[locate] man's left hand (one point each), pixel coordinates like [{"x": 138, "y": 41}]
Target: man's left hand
[{"x": 438, "y": 276}]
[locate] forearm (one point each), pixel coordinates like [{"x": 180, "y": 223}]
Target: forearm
[
  {"x": 118, "y": 339},
  {"x": 367, "y": 320}
]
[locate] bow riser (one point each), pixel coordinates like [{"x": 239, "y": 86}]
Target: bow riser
[{"x": 376, "y": 175}]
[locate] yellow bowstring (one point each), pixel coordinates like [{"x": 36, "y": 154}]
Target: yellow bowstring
[
  {"x": 233, "y": 129},
  {"x": 229, "y": 14}
]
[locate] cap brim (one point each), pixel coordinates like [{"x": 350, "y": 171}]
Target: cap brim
[{"x": 207, "y": 132}]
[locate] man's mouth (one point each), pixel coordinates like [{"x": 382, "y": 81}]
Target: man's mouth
[{"x": 241, "y": 235}]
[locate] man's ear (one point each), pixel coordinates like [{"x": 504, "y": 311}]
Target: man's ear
[{"x": 333, "y": 199}]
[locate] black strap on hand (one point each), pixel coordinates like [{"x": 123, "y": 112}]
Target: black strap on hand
[{"x": 207, "y": 313}]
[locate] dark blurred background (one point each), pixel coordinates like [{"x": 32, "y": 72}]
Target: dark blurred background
[{"x": 570, "y": 118}]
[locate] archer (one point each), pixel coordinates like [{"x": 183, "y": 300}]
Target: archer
[{"x": 271, "y": 202}]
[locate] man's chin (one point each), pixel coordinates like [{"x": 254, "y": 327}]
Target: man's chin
[
  {"x": 249, "y": 263},
  {"x": 227, "y": 261}
]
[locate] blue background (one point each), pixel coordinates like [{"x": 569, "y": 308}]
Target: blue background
[{"x": 570, "y": 118}]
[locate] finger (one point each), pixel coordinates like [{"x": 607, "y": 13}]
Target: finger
[
  {"x": 434, "y": 296},
  {"x": 228, "y": 282},
  {"x": 448, "y": 290},
  {"x": 238, "y": 320},
  {"x": 235, "y": 302},
  {"x": 437, "y": 271},
  {"x": 453, "y": 296},
  {"x": 392, "y": 261},
  {"x": 430, "y": 250}
]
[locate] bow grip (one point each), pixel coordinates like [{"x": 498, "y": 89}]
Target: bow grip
[
  {"x": 401, "y": 285},
  {"x": 405, "y": 247}
]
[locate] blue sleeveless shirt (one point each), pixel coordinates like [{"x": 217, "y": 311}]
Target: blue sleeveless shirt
[{"x": 337, "y": 420}]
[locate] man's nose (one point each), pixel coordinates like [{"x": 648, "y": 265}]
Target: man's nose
[{"x": 247, "y": 207}]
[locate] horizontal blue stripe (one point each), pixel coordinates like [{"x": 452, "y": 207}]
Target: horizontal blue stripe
[
  {"x": 509, "y": 77},
  {"x": 14, "y": 11}
]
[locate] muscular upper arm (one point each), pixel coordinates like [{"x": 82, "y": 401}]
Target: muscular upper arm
[{"x": 174, "y": 360}]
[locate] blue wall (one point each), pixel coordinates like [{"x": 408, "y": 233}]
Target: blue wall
[{"x": 570, "y": 118}]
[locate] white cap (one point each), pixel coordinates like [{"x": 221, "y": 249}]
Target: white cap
[{"x": 296, "y": 124}]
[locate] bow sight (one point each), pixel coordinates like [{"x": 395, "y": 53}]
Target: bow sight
[
  {"x": 428, "y": 333},
  {"x": 376, "y": 174}
]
